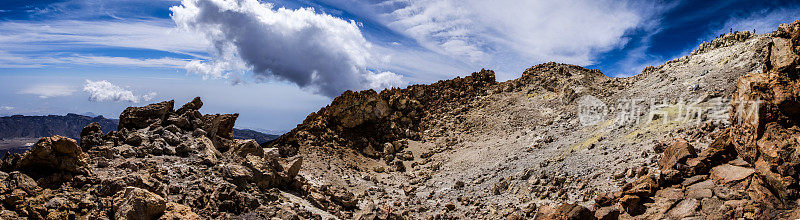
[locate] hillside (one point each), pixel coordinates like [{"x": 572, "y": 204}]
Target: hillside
[
  {"x": 710, "y": 135},
  {"x": 69, "y": 125}
]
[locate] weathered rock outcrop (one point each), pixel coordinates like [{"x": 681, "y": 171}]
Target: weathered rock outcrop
[
  {"x": 766, "y": 114},
  {"x": 367, "y": 120},
  {"x": 448, "y": 153},
  {"x": 134, "y": 203},
  {"x": 52, "y": 155},
  {"x": 160, "y": 164},
  {"x": 91, "y": 135},
  {"x": 141, "y": 117}
]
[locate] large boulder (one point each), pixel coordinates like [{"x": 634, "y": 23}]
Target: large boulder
[
  {"x": 135, "y": 203},
  {"x": 55, "y": 154},
  {"x": 352, "y": 109},
  {"x": 676, "y": 153},
  {"x": 142, "y": 117},
  {"x": 206, "y": 150},
  {"x": 175, "y": 211},
  {"x": 91, "y": 135},
  {"x": 193, "y": 105},
  {"x": 219, "y": 125}
]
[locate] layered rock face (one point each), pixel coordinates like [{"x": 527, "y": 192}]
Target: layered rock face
[{"x": 158, "y": 164}]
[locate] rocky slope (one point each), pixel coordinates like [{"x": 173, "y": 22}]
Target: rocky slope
[
  {"x": 710, "y": 135},
  {"x": 158, "y": 164}
]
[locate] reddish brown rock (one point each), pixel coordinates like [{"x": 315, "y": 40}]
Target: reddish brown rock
[
  {"x": 765, "y": 112},
  {"x": 676, "y": 153},
  {"x": 726, "y": 173},
  {"x": 631, "y": 204},
  {"x": 645, "y": 186},
  {"x": 684, "y": 208},
  {"x": 607, "y": 213}
]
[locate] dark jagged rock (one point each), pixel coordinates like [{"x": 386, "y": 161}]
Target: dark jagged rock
[
  {"x": 151, "y": 168},
  {"x": 194, "y": 105},
  {"x": 219, "y": 125},
  {"x": 142, "y": 117},
  {"x": 366, "y": 120}
]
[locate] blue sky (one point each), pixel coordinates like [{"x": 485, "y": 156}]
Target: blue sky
[{"x": 274, "y": 62}]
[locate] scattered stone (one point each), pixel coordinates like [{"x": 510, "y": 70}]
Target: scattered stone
[{"x": 459, "y": 184}]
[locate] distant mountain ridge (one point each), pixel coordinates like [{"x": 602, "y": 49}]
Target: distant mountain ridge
[
  {"x": 252, "y": 134},
  {"x": 70, "y": 125}
]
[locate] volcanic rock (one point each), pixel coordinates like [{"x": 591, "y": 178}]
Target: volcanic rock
[
  {"x": 91, "y": 135},
  {"x": 55, "y": 154},
  {"x": 676, "y": 153},
  {"x": 728, "y": 173},
  {"x": 141, "y": 117},
  {"x": 135, "y": 203}
]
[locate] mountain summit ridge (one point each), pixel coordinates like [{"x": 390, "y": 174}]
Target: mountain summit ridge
[{"x": 559, "y": 142}]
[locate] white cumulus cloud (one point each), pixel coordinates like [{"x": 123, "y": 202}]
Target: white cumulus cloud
[
  {"x": 316, "y": 51},
  {"x": 105, "y": 91},
  {"x": 48, "y": 90}
]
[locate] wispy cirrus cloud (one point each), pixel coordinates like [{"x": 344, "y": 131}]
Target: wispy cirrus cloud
[
  {"x": 153, "y": 34},
  {"x": 48, "y": 90},
  {"x": 38, "y": 61},
  {"x": 105, "y": 91},
  {"x": 507, "y": 35},
  {"x": 35, "y": 44}
]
